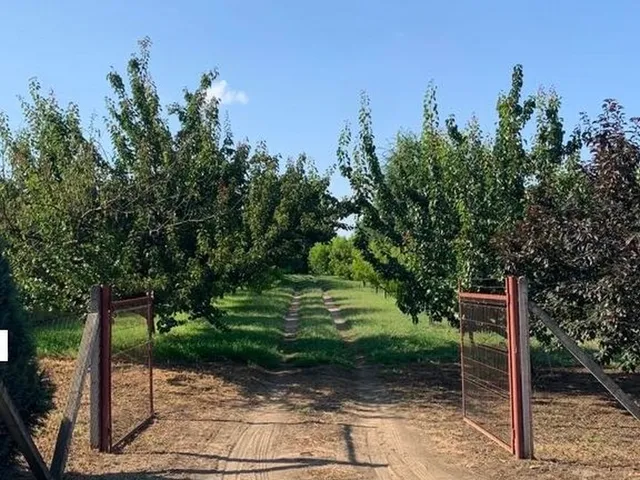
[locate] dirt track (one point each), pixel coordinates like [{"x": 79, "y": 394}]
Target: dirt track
[
  {"x": 227, "y": 421},
  {"x": 235, "y": 422},
  {"x": 387, "y": 437},
  {"x": 284, "y": 437},
  {"x": 369, "y": 440},
  {"x": 231, "y": 421}
]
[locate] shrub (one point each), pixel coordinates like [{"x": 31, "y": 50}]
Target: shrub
[
  {"x": 363, "y": 271},
  {"x": 319, "y": 259},
  {"x": 341, "y": 257},
  {"x": 29, "y": 389}
]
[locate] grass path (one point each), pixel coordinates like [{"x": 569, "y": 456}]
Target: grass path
[
  {"x": 317, "y": 341},
  {"x": 382, "y": 334},
  {"x": 256, "y": 333}
]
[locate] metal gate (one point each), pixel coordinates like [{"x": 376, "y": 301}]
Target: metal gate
[
  {"x": 494, "y": 364},
  {"x": 126, "y": 368}
]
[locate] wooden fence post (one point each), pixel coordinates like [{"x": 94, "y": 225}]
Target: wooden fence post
[
  {"x": 94, "y": 392},
  {"x": 87, "y": 346},
  {"x": 525, "y": 368},
  {"x": 150, "y": 332},
  {"x": 20, "y": 434}
]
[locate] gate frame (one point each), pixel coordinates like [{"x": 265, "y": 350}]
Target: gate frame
[
  {"x": 101, "y": 368},
  {"x": 519, "y": 365}
]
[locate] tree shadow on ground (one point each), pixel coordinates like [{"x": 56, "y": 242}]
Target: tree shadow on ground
[
  {"x": 578, "y": 381},
  {"x": 252, "y": 335},
  {"x": 263, "y": 465},
  {"x": 351, "y": 312},
  {"x": 331, "y": 388}
]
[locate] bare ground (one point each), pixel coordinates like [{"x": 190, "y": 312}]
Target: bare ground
[
  {"x": 230, "y": 421},
  {"x": 227, "y": 421}
]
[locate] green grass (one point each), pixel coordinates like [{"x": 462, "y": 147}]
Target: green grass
[
  {"x": 59, "y": 338},
  {"x": 317, "y": 340},
  {"x": 378, "y": 333},
  {"x": 254, "y": 334},
  {"x": 381, "y": 334}
]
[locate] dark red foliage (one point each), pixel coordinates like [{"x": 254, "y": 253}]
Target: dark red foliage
[{"x": 580, "y": 244}]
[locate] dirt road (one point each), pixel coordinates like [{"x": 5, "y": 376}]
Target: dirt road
[
  {"x": 287, "y": 438},
  {"x": 240, "y": 422},
  {"x": 388, "y": 437},
  {"x": 297, "y": 431},
  {"x": 230, "y": 421}
]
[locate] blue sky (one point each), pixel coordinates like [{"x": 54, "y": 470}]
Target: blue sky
[{"x": 301, "y": 64}]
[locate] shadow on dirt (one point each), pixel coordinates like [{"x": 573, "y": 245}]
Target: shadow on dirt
[
  {"x": 237, "y": 465},
  {"x": 263, "y": 466}
]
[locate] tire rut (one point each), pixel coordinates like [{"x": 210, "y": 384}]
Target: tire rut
[
  {"x": 388, "y": 440},
  {"x": 291, "y": 318},
  {"x": 252, "y": 455},
  {"x": 249, "y": 456}
]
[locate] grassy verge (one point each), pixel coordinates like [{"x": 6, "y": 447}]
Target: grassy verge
[
  {"x": 380, "y": 333},
  {"x": 254, "y": 334},
  {"x": 383, "y": 334}
]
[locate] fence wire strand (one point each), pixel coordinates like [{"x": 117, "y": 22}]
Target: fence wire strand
[
  {"x": 485, "y": 366},
  {"x": 576, "y": 419},
  {"x": 131, "y": 394},
  {"x": 58, "y": 338}
]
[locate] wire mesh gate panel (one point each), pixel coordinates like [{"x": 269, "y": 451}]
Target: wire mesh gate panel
[
  {"x": 494, "y": 382},
  {"x": 126, "y": 368},
  {"x": 486, "y": 397}
]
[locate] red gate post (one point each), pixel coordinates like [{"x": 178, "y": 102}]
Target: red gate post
[
  {"x": 94, "y": 307},
  {"x": 105, "y": 369},
  {"x": 515, "y": 366}
]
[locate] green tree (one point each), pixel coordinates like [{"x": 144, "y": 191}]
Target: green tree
[
  {"x": 52, "y": 206},
  {"x": 319, "y": 257},
  {"x": 362, "y": 271},
  {"x": 578, "y": 242},
  {"x": 307, "y": 214},
  {"x": 184, "y": 211},
  {"x": 341, "y": 254},
  {"x": 433, "y": 206},
  {"x": 406, "y": 209}
]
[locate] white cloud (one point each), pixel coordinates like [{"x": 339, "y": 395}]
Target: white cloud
[{"x": 220, "y": 90}]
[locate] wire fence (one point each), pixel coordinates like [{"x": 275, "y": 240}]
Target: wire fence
[
  {"x": 131, "y": 367},
  {"x": 485, "y": 366},
  {"x": 59, "y": 342},
  {"x": 575, "y": 418}
]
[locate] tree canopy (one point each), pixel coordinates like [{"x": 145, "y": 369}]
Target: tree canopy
[
  {"x": 452, "y": 205},
  {"x": 188, "y": 212}
]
